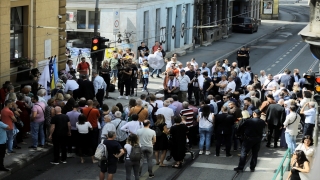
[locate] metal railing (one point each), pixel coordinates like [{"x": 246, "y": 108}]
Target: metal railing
[{"x": 282, "y": 168}]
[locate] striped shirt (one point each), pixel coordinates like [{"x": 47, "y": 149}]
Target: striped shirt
[{"x": 188, "y": 113}]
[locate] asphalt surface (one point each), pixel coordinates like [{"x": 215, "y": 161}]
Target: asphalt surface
[{"x": 279, "y": 47}]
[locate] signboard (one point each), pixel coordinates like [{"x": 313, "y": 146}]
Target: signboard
[
  {"x": 116, "y": 21},
  {"x": 47, "y": 48},
  {"x": 109, "y": 52},
  {"x": 267, "y": 7}
]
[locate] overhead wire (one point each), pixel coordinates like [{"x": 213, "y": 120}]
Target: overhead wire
[{"x": 191, "y": 27}]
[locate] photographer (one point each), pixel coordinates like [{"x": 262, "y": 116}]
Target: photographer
[
  {"x": 124, "y": 80},
  {"x": 191, "y": 74}
]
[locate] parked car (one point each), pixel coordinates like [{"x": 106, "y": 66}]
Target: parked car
[{"x": 246, "y": 24}]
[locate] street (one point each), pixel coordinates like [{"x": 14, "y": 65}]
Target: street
[{"x": 273, "y": 48}]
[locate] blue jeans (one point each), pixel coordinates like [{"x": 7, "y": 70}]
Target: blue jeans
[
  {"x": 291, "y": 141},
  {"x": 145, "y": 83},
  {"x": 154, "y": 70},
  {"x": 114, "y": 73},
  {"x": 10, "y": 139},
  {"x": 36, "y": 128},
  {"x": 205, "y": 136},
  {"x": 308, "y": 129}
]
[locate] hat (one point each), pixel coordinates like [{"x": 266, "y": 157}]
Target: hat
[
  {"x": 159, "y": 95},
  {"x": 182, "y": 70},
  {"x": 257, "y": 111}
]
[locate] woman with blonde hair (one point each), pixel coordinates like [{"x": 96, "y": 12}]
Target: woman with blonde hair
[
  {"x": 162, "y": 140},
  {"x": 59, "y": 100}
]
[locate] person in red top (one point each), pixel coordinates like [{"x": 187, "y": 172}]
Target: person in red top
[
  {"x": 156, "y": 46},
  {"x": 84, "y": 67},
  {"x": 8, "y": 118},
  {"x": 3, "y": 93},
  {"x": 92, "y": 115}
]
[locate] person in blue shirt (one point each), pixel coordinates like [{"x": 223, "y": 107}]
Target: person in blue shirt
[
  {"x": 244, "y": 77},
  {"x": 205, "y": 68},
  {"x": 3, "y": 140}
]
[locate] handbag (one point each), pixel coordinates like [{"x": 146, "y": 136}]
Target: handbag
[{"x": 177, "y": 90}]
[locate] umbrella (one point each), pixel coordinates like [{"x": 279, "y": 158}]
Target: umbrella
[{"x": 155, "y": 61}]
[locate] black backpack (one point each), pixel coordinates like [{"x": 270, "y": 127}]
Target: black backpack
[
  {"x": 153, "y": 112},
  {"x": 135, "y": 154}
]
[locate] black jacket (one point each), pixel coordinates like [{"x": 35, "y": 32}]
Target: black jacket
[
  {"x": 253, "y": 127},
  {"x": 275, "y": 115},
  {"x": 86, "y": 89},
  {"x": 224, "y": 123}
]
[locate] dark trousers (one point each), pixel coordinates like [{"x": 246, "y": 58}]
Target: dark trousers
[
  {"x": 196, "y": 92},
  {"x": 94, "y": 138},
  {"x": 99, "y": 96},
  {"x": 2, "y": 154},
  {"x": 240, "y": 63},
  {"x": 122, "y": 143},
  {"x": 226, "y": 138},
  {"x": 248, "y": 144},
  {"x": 192, "y": 135},
  {"x": 72, "y": 140},
  {"x": 134, "y": 85},
  {"x": 276, "y": 130},
  {"x": 308, "y": 129},
  {"x": 59, "y": 143},
  {"x": 125, "y": 83},
  {"x": 190, "y": 91}
]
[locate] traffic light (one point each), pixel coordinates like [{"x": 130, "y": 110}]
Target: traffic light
[
  {"x": 309, "y": 81},
  {"x": 103, "y": 41},
  {"x": 316, "y": 96},
  {"x": 95, "y": 44}
]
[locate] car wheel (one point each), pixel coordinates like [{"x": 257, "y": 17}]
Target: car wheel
[
  {"x": 251, "y": 32},
  {"x": 257, "y": 29}
]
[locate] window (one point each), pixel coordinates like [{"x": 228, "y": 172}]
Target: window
[
  {"x": 16, "y": 33},
  {"x": 146, "y": 26},
  {"x": 91, "y": 20},
  {"x": 158, "y": 25},
  {"x": 81, "y": 19}
]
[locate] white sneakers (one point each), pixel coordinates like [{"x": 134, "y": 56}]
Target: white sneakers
[
  {"x": 121, "y": 97},
  {"x": 208, "y": 152},
  {"x": 200, "y": 152}
]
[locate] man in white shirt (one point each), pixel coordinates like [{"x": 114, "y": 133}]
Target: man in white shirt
[
  {"x": 121, "y": 136},
  {"x": 269, "y": 84},
  {"x": 107, "y": 127},
  {"x": 184, "y": 81},
  {"x": 72, "y": 86},
  {"x": 188, "y": 65},
  {"x": 166, "y": 112},
  {"x": 231, "y": 87},
  {"x": 291, "y": 124},
  {"x": 133, "y": 126},
  {"x": 263, "y": 77},
  {"x": 159, "y": 100},
  {"x": 99, "y": 86},
  {"x": 310, "y": 118}
]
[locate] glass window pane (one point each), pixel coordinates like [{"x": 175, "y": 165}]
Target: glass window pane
[
  {"x": 81, "y": 19},
  {"x": 91, "y": 20}
]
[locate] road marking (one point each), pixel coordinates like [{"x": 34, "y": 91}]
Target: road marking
[
  {"x": 277, "y": 62},
  {"x": 213, "y": 166},
  {"x": 294, "y": 58},
  {"x": 275, "y": 40},
  {"x": 273, "y": 65},
  {"x": 264, "y": 47},
  {"x": 284, "y": 55},
  {"x": 288, "y": 53},
  {"x": 268, "y": 69},
  {"x": 280, "y": 58},
  {"x": 290, "y": 50}
]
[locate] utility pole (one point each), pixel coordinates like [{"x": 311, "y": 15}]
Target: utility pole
[{"x": 96, "y": 15}]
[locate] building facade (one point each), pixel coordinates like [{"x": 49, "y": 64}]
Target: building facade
[
  {"x": 126, "y": 24},
  {"x": 30, "y": 28}
]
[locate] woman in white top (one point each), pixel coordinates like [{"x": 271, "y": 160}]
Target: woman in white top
[
  {"x": 135, "y": 165},
  {"x": 205, "y": 120},
  {"x": 83, "y": 137},
  {"x": 305, "y": 146},
  {"x": 70, "y": 68}
]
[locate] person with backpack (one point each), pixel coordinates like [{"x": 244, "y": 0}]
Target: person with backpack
[
  {"x": 121, "y": 136},
  {"x": 114, "y": 152},
  {"x": 84, "y": 67},
  {"x": 133, "y": 156},
  {"x": 160, "y": 127}
]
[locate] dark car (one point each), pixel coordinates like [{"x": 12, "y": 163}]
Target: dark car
[{"x": 246, "y": 24}]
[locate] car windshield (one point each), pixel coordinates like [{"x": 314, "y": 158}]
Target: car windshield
[{"x": 247, "y": 20}]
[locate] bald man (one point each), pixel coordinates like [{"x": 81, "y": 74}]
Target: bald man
[{"x": 59, "y": 131}]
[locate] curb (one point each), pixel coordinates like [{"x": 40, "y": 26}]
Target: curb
[
  {"x": 26, "y": 160},
  {"x": 235, "y": 50}
]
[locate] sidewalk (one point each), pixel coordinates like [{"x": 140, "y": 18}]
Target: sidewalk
[{"x": 217, "y": 51}]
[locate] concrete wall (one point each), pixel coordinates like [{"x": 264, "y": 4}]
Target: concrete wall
[{"x": 4, "y": 40}]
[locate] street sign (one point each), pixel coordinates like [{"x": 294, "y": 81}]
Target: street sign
[{"x": 116, "y": 21}]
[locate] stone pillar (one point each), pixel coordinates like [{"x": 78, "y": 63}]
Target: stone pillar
[{"x": 4, "y": 41}]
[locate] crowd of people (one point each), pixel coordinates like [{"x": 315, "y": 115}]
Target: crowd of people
[{"x": 227, "y": 104}]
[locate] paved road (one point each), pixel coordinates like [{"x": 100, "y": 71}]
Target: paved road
[{"x": 279, "y": 46}]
